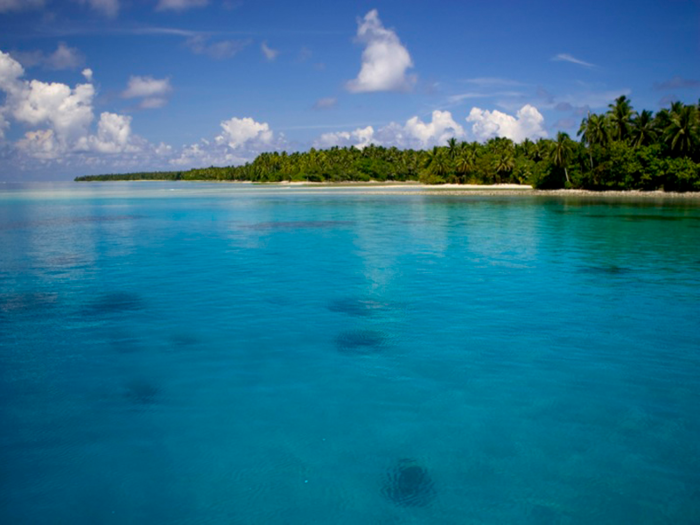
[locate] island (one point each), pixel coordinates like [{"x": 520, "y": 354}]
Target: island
[{"x": 620, "y": 150}]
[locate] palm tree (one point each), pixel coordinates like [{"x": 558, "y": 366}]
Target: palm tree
[
  {"x": 561, "y": 153},
  {"x": 682, "y": 133},
  {"x": 504, "y": 162},
  {"x": 643, "y": 129},
  {"x": 466, "y": 159},
  {"x": 452, "y": 147},
  {"x": 621, "y": 114},
  {"x": 437, "y": 162}
]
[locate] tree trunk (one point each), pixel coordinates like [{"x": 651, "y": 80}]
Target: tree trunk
[{"x": 566, "y": 172}]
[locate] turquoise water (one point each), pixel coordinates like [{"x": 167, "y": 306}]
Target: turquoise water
[{"x": 199, "y": 353}]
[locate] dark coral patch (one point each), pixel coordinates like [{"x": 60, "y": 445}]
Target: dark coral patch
[
  {"x": 141, "y": 392},
  {"x": 356, "y": 307},
  {"x": 116, "y": 302},
  {"x": 409, "y": 484},
  {"x": 361, "y": 342},
  {"x": 608, "y": 269}
]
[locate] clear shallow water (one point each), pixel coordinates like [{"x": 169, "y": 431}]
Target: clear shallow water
[{"x": 234, "y": 354}]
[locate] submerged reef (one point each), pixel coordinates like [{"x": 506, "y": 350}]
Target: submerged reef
[
  {"x": 409, "y": 484},
  {"x": 116, "y": 302},
  {"x": 360, "y": 342}
]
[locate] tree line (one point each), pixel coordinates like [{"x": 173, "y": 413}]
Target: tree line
[{"x": 620, "y": 149}]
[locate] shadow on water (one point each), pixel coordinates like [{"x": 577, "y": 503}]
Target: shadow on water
[
  {"x": 356, "y": 307},
  {"x": 116, "y": 302},
  {"x": 408, "y": 484},
  {"x": 140, "y": 392},
  {"x": 360, "y": 342}
]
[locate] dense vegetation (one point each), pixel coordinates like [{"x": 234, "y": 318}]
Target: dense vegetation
[{"x": 620, "y": 150}]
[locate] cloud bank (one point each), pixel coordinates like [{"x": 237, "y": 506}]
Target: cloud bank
[{"x": 527, "y": 123}]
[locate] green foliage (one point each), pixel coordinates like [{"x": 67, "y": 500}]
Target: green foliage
[{"x": 620, "y": 150}]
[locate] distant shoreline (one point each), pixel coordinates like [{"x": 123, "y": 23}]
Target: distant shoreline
[{"x": 417, "y": 188}]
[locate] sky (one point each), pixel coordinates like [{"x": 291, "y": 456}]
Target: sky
[{"x": 114, "y": 86}]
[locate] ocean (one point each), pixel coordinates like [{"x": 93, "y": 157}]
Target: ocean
[{"x": 236, "y": 354}]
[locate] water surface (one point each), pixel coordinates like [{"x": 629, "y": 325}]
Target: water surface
[{"x": 207, "y": 353}]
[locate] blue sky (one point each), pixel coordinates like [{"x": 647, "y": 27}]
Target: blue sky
[{"x": 105, "y": 86}]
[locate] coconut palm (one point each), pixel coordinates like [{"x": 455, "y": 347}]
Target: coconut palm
[
  {"x": 436, "y": 162},
  {"x": 466, "y": 159},
  {"x": 561, "y": 153},
  {"x": 643, "y": 130},
  {"x": 682, "y": 133},
  {"x": 621, "y": 114}
]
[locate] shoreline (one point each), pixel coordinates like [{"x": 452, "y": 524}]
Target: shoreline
[
  {"x": 417, "y": 188},
  {"x": 375, "y": 188}
]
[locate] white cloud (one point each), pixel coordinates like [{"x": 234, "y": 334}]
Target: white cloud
[
  {"x": 239, "y": 132},
  {"x": 10, "y": 73},
  {"x": 68, "y": 111},
  {"x": 153, "y": 103},
  {"x": 180, "y": 5},
  {"x": 18, "y": 5},
  {"x": 360, "y": 138},
  {"x": 64, "y": 116},
  {"x": 384, "y": 60},
  {"x": 113, "y": 135},
  {"x": 326, "y": 103},
  {"x": 41, "y": 144},
  {"x": 439, "y": 130},
  {"x": 527, "y": 123},
  {"x": 240, "y": 141},
  {"x": 270, "y": 54},
  {"x": 220, "y": 50},
  {"x": 64, "y": 57},
  {"x": 140, "y": 87},
  {"x": 87, "y": 73},
  {"x": 414, "y": 134},
  {"x": 106, "y": 7},
  {"x": 565, "y": 57}
]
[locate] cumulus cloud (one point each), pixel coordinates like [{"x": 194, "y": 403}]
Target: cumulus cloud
[
  {"x": 415, "y": 134},
  {"x": 326, "y": 103},
  {"x": 360, "y": 138},
  {"x": 239, "y": 132},
  {"x": 106, "y": 7},
  {"x": 240, "y": 141},
  {"x": 87, "y": 73},
  {"x": 440, "y": 129},
  {"x": 64, "y": 116},
  {"x": 270, "y": 54},
  {"x": 113, "y": 135},
  {"x": 18, "y": 5},
  {"x": 220, "y": 50},
  {"x": 180, "y": 5},
  {"x": 527, "y": 123},
  {"x": 384, "y": 61},
  {"x": 147, "y": 86},
  {"x": 64, "y": 57},
  {"x": 565, "y": 57}
]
